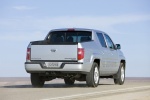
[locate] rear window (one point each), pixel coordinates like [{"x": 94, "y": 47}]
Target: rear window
[{"x": 69, "y": 36}]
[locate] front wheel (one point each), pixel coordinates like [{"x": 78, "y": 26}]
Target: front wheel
[
  {"x": 37, "y": 80},
  {"x": 92, "y": 78},
  {"x": 120, "y": 75}
]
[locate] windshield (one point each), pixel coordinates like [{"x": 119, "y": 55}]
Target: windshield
[{"x": 69, "y": 36}]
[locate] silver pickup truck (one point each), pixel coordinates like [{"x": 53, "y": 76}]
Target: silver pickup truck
[{"x": 75, "y": 54}]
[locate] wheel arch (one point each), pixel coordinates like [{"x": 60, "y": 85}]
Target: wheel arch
[
  {"x": 124, "y": 62},
  {"x": 97, "y": 61}
]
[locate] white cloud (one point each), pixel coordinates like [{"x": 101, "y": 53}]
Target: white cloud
[
  {"x": 23, "y": 8},
  {"x": 31, "y": 25},
  {"x": 22, "y": 36},
  {"x": 72, "y": 21}
]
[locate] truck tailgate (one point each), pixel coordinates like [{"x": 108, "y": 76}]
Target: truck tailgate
[{"x": 54, "y": 52}]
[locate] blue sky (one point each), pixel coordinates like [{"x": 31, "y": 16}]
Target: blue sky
[{"x": 126, "y": 21}]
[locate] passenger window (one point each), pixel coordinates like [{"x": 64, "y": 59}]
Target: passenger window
[
  {"x": 101, "y": 39},
  {"x": 109, "y": 42}
]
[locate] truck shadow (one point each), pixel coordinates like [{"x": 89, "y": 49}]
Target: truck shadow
[{"x": 60, "y": 85}]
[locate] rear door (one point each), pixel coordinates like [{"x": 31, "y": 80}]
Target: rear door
[
  {"x": 113, "y": 61},
  {"x": 105, "y": 54}
]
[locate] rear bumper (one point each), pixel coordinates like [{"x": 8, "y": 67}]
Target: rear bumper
[{"x": 64, "y": 67}]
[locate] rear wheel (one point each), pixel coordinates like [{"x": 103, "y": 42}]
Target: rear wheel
[
  {"x": 69, "y": 81},
  {"x": 115, "y": 81},
  {"x": 120, "y": 75},
  {"x": 37, "y": 80},
  {"x": 92, "y": 78}
]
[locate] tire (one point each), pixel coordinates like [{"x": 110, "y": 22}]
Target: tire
[
  {"x": 69, "y": 81},
  {"x": 115, "y": 81},
  {"x": 120, "y": 75},
  {"x": 37, "y": 80},
  {"x": 93, "y": 77}
]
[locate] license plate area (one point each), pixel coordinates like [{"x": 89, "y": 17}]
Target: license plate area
[{"x": 52, "y": 64}]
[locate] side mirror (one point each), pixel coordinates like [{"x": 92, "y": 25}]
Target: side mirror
[{"x": 118, "y": 46}]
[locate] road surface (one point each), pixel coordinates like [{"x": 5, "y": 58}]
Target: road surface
[{"x": 21, "y": 89}]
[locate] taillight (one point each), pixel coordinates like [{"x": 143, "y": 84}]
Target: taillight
[
  {"x": 80, "y": 53},
  {"x": 28, "y": 53}
]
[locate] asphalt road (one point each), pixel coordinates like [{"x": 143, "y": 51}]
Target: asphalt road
[{"x": 21, "y": 89}]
